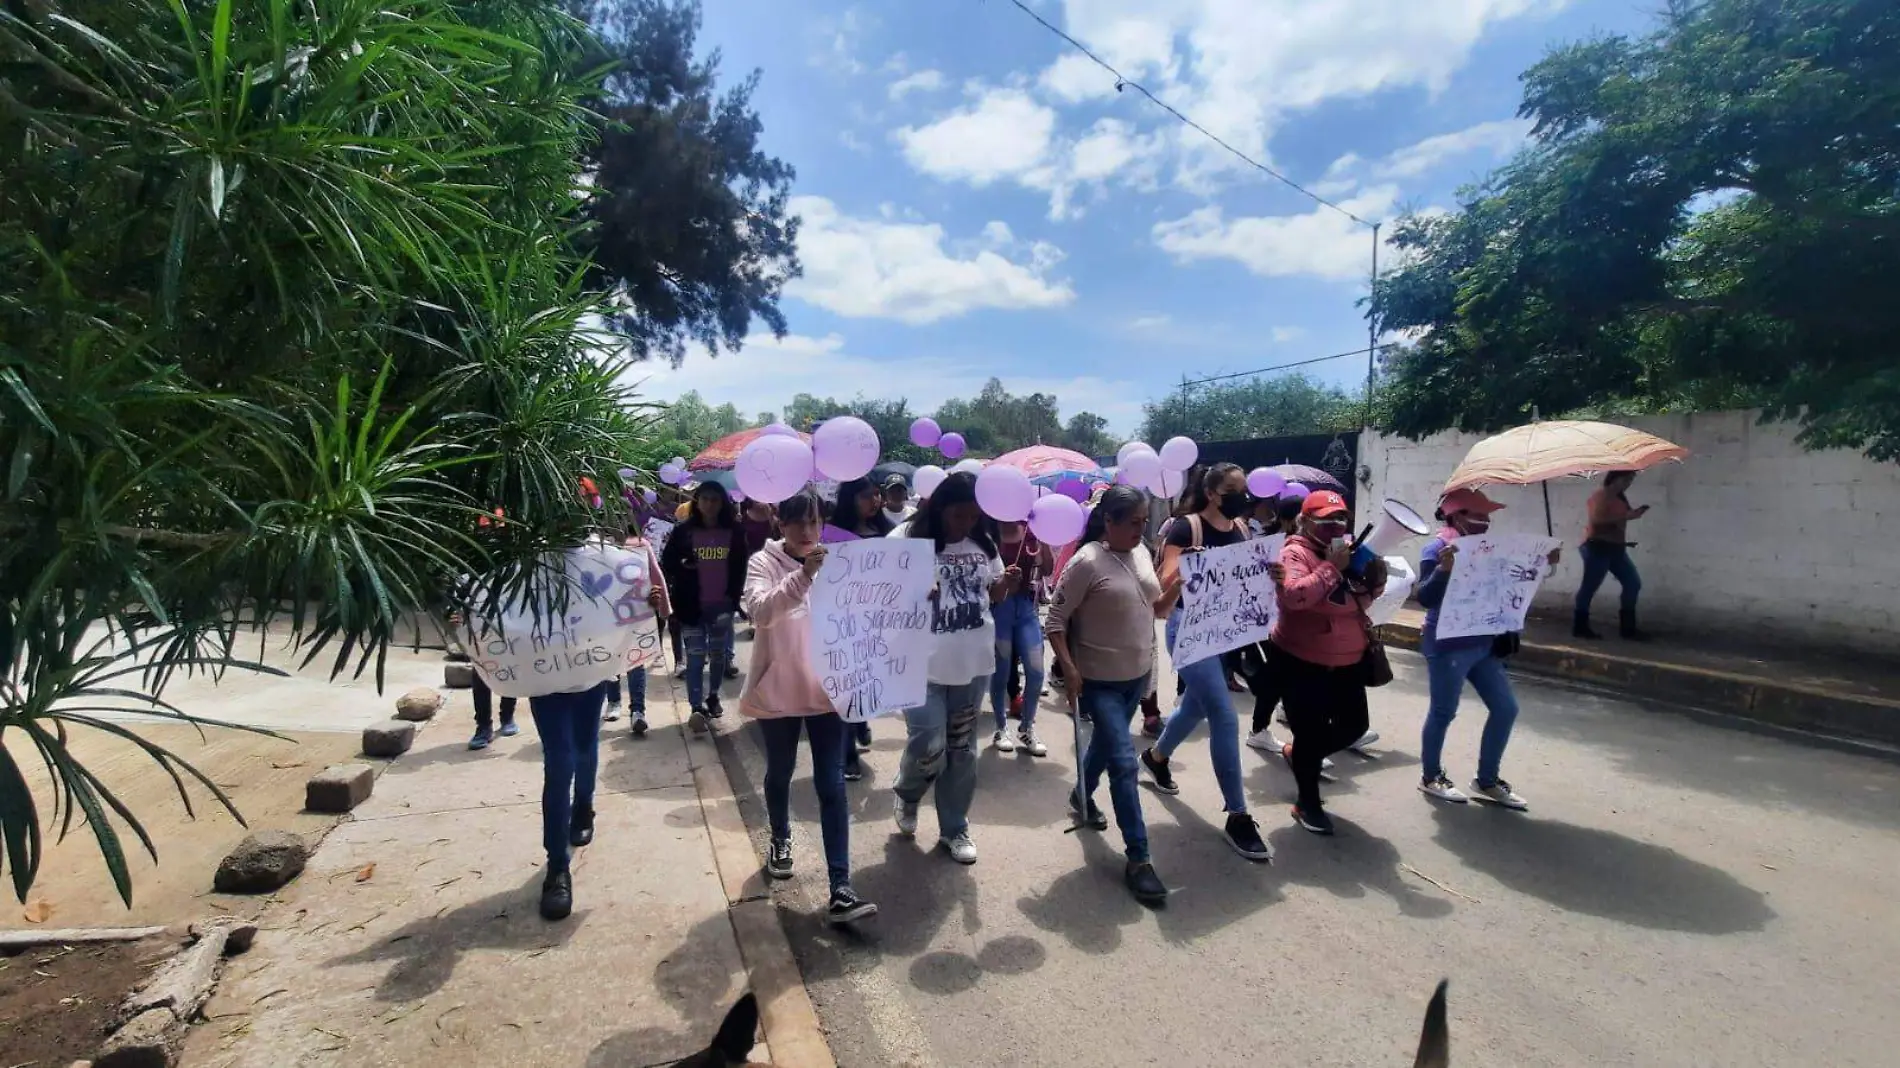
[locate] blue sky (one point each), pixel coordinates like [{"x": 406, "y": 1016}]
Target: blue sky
[{"x": 978, "y": 200}]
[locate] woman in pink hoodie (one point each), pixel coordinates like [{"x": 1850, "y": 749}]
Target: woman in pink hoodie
[{"x": 783, "y": 693}]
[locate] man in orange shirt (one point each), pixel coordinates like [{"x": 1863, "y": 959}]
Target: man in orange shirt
[{"x": 1606, "y": 551}]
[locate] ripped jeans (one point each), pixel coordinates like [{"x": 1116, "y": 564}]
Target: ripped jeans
[{"x": 1018, "y": 634}]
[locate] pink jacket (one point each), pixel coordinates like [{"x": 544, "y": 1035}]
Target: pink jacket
[
  {"x": 1321, "y": 619},
  {"x": 641, "y": 545},
  {"x": 777, "y": 598}
]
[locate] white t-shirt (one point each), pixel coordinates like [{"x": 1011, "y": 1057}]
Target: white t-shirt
[
  {"x": 899, "y": 517},
  {"x": 962, "y": 630}
]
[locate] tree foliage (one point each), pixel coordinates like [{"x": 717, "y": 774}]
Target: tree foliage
[
  {"x": 1252, "y": 408},
  {"x": 690, "y": 232},
  {"x": 1705, "y": 216},
  {"x": 996, "y": 421}
]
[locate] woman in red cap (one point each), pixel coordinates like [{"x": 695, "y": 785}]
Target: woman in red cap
[
  {"x": 1318, "y": 646},
  {"x": 1451, "y": 662}
]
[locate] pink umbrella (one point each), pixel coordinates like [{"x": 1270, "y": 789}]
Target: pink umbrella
[
  {"x": 1047, "y": 465},
  {"x": 723, "y": 455}
]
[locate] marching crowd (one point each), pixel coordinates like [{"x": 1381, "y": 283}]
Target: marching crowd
[{"x": 1001, "y": 598}]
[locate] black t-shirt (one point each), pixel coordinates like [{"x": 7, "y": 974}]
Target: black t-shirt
[{"x": 1181, "y": 533}]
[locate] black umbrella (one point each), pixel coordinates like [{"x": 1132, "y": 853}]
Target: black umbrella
[
  {"x": 882, "y": 472},
  {"x": 1310, "y": 477}
]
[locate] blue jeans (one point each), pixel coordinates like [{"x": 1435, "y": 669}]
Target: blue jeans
[
  {"x": 1110, "y": 707},
  {"x": 1448, "y": 671},
  {"x": 1600, "y": 561},
  {"x": 828, "y": 736},
  {"x": 708, "y": 644},
  {"x": 1018, "y": 633},
  {"x": 636, "y": 692},
  {"x": 1206, "y": 698},
  {"x": 942, "y": 750},
  {"x": 569, "y": 726}
]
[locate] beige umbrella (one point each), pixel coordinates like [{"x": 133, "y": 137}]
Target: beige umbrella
[{"x": 1539, "y": 452}]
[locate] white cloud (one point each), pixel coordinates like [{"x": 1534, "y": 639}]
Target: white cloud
[
  {"x": 1151, "y": 322},
  {"x": 1495, "y": 140},
  {"x": 1283, "y": 334},
  {"x": 1073, "y": 78},
  {"x": 1320, "y": 242},
  {"x": 767, "y": 372},
  {"x": 923, "y": 81},
  {"x": 887, "y": 269}
]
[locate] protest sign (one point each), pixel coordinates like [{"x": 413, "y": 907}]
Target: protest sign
[
  {"x": 657, "y": 531},
  {"x": 1493, "y": 579},
  {"x": 1399, "y": 580},
  {"x": 870, "y": 625},
  {"x": 1228, "y": 600},
  {"x": 584, "y": 619}
]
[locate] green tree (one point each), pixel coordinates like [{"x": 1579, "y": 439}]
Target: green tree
[
  {"x": 286, "y": 302},
  {"x": 996, "y": 421},
  {"x": 1252, "y": 408},
  {"x": 689, "y": 228},
  {"x": 890, "y": 418},
  {"x": 1706, "y": 216}
]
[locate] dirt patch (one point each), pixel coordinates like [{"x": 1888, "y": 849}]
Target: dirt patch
[{"x": 57, "y": 1003}]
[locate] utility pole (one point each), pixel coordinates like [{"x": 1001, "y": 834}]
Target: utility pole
[{"x": 1372, "y": 323}]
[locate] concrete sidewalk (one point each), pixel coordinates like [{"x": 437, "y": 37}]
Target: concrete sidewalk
[
  {"x": 1812, "y": 691},
  {"x": 413, "y": 936}
]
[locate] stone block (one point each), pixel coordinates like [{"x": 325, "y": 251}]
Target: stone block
[
  {"x": 419, "y": 705},
  {"x": 263, "y": 862},
  {"x": 339, "y": 788},
  {"x": 458, "y": 676},
  {"x": 390, "y": 738}
]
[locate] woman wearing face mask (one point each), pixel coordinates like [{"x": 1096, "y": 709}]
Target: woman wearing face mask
[
  {"x": 1451, "y": 662},
  {"x": 1219, "y": 508},
  {"x": 941, "y": 752},
  {"x": 1019, "y": 636},
  {"x": 1318, "y": 645}
]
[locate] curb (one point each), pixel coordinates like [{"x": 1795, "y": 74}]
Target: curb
[{"x": 1780, "y": 705}]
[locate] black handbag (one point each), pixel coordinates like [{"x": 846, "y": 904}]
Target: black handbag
[
  {"x": 1375, "y": 668},
  {"x": 1505, "y": 646}
]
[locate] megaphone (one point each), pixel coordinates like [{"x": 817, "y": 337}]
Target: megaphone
[{"x": 1398, "y": 525}]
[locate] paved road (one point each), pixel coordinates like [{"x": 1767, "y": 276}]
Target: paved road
[{"x": 1679, "y": 894}]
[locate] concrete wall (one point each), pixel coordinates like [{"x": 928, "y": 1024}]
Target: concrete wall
[{"x": 1752, "y": 535}]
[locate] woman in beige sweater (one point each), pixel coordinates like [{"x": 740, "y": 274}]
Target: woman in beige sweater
[{"x": 1101, "y": 626}]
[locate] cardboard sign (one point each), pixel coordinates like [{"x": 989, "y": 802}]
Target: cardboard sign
[
  {"x": 585, "y": 619},
  {"x": 1228, "y": 599},
  {"x": 1493, "y": 578},
  {"x": 870, "y": 620}
]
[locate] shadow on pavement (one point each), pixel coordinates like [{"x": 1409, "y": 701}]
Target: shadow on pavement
[
  {"x": 694, "y": 980},
  {"x": 1349, "y": 864},
  {"x": 1600, "y": 873}
]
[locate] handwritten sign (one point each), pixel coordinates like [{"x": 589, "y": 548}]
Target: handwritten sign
[
  {"x": 657, "y": 531},
  {"x": 1228, "y": 599},
  {"x": 1492, "y": 581},
  {"x": 870, "y": 620},
  {"x": 584, "y": 619},
  {"x": 1400, "y": 578}
]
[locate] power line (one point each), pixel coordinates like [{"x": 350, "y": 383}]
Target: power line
[
  {"x": 1284, "y": 366},
  {"x": 1124, "y": 82}
]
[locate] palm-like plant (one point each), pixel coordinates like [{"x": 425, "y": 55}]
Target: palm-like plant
[{"x": 285, "y": 302}]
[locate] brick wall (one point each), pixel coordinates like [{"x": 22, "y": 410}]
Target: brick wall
[{"x": 1752, "y": 535}]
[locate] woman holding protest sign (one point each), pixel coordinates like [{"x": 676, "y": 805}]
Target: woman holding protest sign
[
  {"x": 941, "y": 752},
  {"x": 1218, "y": 506},
  {"x": 1451, "y": 662},
  {"x": 784, "y": 694},
  {"x": 1101, "y": 626},
  {"x": 704, "y": 565},
  {"x": 1319, "y": 648}
]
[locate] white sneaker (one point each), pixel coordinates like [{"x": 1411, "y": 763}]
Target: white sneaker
[
  {"x": 1366, "y": 741},
  {"x": 962, "y": 850},
  {"x": 1442, "y": 789},
  {"x": 1002, "y": 743},
  {"x": 1498, "y": 793},
  {"x": 612, "y": 715},
  {"x": 1264, "y": 741},
  {"x": 905, "y": 813},
  {"x": 1028, "y": 741}
]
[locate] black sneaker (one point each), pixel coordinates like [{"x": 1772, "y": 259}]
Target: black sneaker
[
  {"x": 640, "y": 725},
  {"x": 864, "y": 737},
  {"x": 847, "y": 907},
  {"x": 1313, "y": 818},
  {"x": 714, "y": 709},
  {"x": 732, "y": 671},
  {"x": 1145, "y": 884},
  {"x": 1095, "y": 818},
  {"x": 557, "y": 896},
  {"x": 580, "y": 830},
  {"x": 853, "y": 768},
  {"x": 1244, "y": 835},
  {"x": 1164, "y": 779},
  {"x": 778, "y": 859}
]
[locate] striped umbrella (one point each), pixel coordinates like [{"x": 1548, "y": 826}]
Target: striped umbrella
[
  {"x": 723, "y": 455},
  {"x": 1047, "y": 465}
]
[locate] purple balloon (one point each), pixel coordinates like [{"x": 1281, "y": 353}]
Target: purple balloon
[
  {"x": 671, "y": 475},
  {"x": 951, "y": 445},
  {"x": 651, "y": 497},
  {"x": 1296, "y": 490},
  {"x": 845, "y": 447},
  {"x": 778, "y": 430},
  {"x": 771, "y": 469},
  {"x": 925, "y": 433},
  {"x": 1074, "y": 489},
  {"x": 1056, "y": 520},
  {"x": 1265, "y": 482},
  {"x": 1143, "y": 468},
  {"x": 628, "y": 474},
  {"x": 1005, "y": 493}
]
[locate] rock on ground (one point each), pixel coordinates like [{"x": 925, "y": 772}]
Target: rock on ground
[
  {"x": 419, "y": 705},
  {"x": 390, "y": 738},
  {"x": 458, "y": 676},
  {"x": 339, "y": 788},
  {"x": 263, "y": 862}
]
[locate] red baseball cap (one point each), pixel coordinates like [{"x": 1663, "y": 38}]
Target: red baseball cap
[
  {"x": 1324, "y": 504},
  {"x": 1467, "y": 502}
]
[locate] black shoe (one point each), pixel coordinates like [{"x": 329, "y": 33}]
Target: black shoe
[
  {"x": 864, "y": 737},
  {"x": 1313, "y": 818},
  {"x": 1629, "y": 630},
  {"x": 1244, "y": 835},
  {"x": 732, "y": 671},
  {"x": 1145, "y": 884},
  {"x": 557, "y": 896},
  {"x": 640, "y": 725},
  {"x": 714, "y": 709},
  {"x": 1581, "y": 629},
  {"x": 1164, "y": 779},
  {"x": 1096, "y": 819},
  {"x": 847, "y": 907},
  {"x": 778, "y": 859},
  {"x": 853, "y": 769},
  {"x": 580, "y": 830}
]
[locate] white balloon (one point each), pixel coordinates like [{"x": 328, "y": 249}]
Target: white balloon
[
  {"x": 971, "y": 466},
  {"x": 1179, "y": 453},
  {"x": 1130, "y": 449},
  {"x": 926, "y": 479},
  {"x": 1143, "y": 468}
]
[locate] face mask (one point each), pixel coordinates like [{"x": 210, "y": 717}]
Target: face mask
[
  {"x": 1474, "y": 527},
  {"x": 1327, "y": 533},
  {"x": 1235, "y": 505}
]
